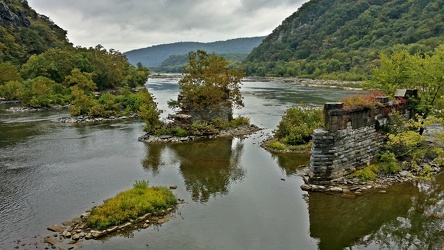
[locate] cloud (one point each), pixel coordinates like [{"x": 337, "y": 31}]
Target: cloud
[{"x": 131, "y": 24}]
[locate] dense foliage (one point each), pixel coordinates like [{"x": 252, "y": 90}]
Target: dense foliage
[
  {"x": 207, "y": 82},
  {"x": 130, "y": 204},
  {"x": 296, "y": 128},
  {"x": 340, "y": 39},
  {"x": 402, "y": 70},
  {"x": 407, "y": 146},
  {"x": 24, "y": 32}
]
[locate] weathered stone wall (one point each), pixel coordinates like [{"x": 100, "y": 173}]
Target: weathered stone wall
[{"x": 350, "y": 138}]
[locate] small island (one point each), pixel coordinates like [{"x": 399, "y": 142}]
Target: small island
[
  {"x": 132, "y": 209},
  {"x": 209, "y": 91}
]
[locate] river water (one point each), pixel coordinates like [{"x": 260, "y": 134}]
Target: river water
[{"x": 237, "y": 195}]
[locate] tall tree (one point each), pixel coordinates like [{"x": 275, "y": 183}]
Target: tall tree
[{"x": 208, "y": 83}]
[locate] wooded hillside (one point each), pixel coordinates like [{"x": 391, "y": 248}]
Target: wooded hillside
[
  {"x": 154, "y": 56},
  {"x": 342, "y": 38}
]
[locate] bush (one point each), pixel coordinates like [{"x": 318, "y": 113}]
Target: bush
[
  {"x": 239, "y": 121},
  {"x": 297, "y": 125},
  {"x": 367, "y": 174},
  {"x": 130, "y": 204},
  {"x": 368, "y": 100},
  {"x": 275, "y": 144},
  {"x": 388, "y": 163}
]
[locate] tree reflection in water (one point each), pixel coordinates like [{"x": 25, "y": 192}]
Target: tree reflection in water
[
  {"x": 294, "y": 163},
  {"x": 208, "y": 166},
  {"x": 406, "y": 217}
]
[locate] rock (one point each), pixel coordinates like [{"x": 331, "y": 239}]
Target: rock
[
  {"x": 382, "y": 191},
  {"x": 173, "y": 187},
  {"x": 98, "y": 234},
  {"x": 85, "y": 215},
  {"x": 56, "y": 228},
  {"x": 305, "y": 187},
  {"x": 76, "y": 237},
  {"x": 317, "y": 188},
  {"x": 404, "y": 173},
  {"x": 67, "y": 223},
  {"x": 76, "y": 220},
  {"x": 336, "y": 189},
  {"x": 112, "y": 229},
  {"x": 50, "y": 240},
  {"x": 66, "y": 234},
  {"x": 145, "y": 225},
  {"x": 88, "y": 236},
  {"x": 166, "y": 218}
]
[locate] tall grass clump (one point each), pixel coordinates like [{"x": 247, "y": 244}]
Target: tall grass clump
[{"x": 130, "y": 204}]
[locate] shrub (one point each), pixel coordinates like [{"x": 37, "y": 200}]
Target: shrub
[
  {"x": 388, "y": 163},
  {"x": 130, "y": 204},
  {"x": 275, "y": 144},
  {"x": 359, "y": 100},
  {"x": 367, "y": 174},
  {"x": 297, "y": 125},
  {"x": 179, "y": 132},
  {"x": 239, "y": 121}
]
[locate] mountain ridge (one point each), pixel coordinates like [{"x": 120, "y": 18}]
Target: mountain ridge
[{"x": 153, "y": 56}]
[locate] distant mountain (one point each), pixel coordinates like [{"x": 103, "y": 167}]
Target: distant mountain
[
  {"x": 24, "y": 32},
  {"x": 342, "y": 38},
  {"x": 154, "y": 56}
]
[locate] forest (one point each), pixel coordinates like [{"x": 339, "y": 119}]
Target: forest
[{"x": 342, "y": 39}]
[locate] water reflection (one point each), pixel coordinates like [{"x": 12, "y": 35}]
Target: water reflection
[
  {"x": 154, "y": 159},
  {"x": 421, "y": 227},
  {"x": 208, "y": 167},
  {"x": 292, "y": 164},
  {"x": 340, "y": 223}
]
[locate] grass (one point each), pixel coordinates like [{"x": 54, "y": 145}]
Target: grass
[
  {"x": 276, "y": 145},
  {"x": 130, "y": 204}
]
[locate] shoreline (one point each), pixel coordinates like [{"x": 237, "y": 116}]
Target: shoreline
[
  {"x": 238, "y": 131},
  {"x": 351, "y": 187}
]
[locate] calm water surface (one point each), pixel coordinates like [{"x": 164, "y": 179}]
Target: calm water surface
[{"x": 237, "y": 195}]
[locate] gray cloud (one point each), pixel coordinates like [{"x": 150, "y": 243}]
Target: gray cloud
[{"x": 131, "y": 24}]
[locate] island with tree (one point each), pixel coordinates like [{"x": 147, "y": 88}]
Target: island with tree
[{"x": 209, "y": 91}]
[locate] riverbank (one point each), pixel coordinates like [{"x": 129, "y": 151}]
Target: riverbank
[
  {"x": 231, "y": 132},
  {"x": 351, "y": 187},
  {"x": 352, "y": 85}
]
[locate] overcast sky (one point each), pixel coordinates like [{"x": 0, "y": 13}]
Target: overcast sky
[{"x": 131, "y": 24}]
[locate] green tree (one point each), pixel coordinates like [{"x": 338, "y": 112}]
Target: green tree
[
  {"x": 9, "y": 72},
  {"x": 422, "y": 72},
  {"x": 148, "y": 110},
  {"x": 207, "y": 83}
]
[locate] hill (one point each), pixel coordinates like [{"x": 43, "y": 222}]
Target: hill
[
  {"x": 341, "y": 38},
  {"x": 154, "y": 56},
  {"x": 24, "y": 32}
]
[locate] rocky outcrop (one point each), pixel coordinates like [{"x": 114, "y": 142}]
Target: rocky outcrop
[{"x": 9, "y": 18}]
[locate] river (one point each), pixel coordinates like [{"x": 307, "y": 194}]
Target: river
[{"x": 237, "y": 195}]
